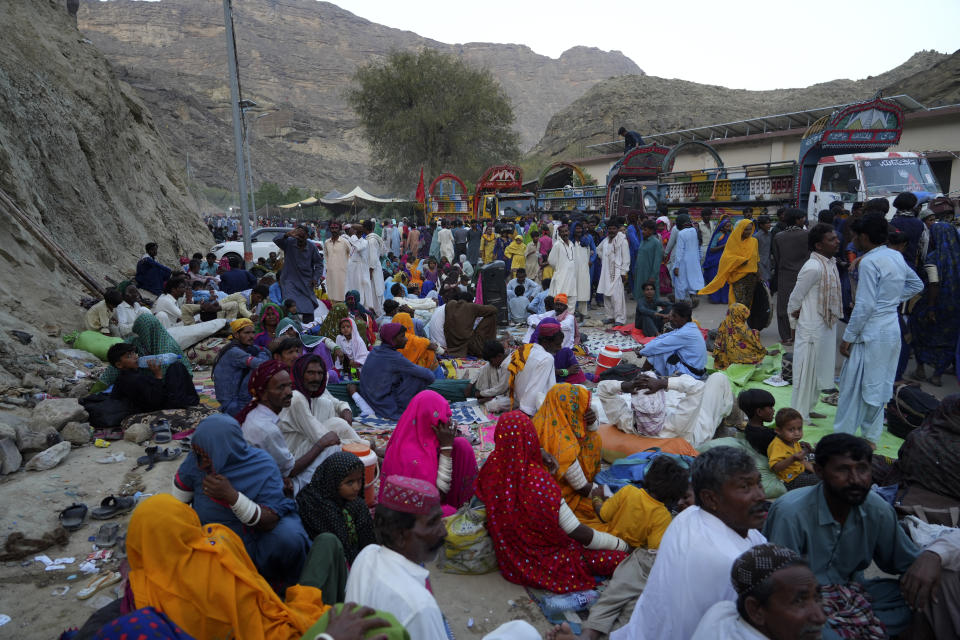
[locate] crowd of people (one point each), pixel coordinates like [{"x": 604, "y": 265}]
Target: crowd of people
[{"x": 267, "y": 532}]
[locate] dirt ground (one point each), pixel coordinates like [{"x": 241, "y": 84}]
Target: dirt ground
[{"x": 31, "y": 500}]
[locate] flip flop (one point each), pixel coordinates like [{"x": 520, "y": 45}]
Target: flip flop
[
  {"x": 97, "y": 583},
  {"x": 73, "y": 516},
  {"x": 107, "y": 535},
  {"x": 112, "y": 506}
]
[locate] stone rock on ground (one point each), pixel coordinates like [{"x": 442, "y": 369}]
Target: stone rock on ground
[
  {"x": 81, "y": 388},
  {"x": 33, "y": 380},
  {"x": 8, "y": 431},
  {"x": 56, "y": 412},
  {"x": 49, "y": 458},
  {"x": 78, "y": 355},
  {"x": 10, "y": 458},
  {"x": 137, "y": 433},
  {"x": 29, "y": 440},
  {"x": 77, "y": 433}
]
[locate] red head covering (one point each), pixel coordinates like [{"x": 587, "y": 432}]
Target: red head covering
[
  {"x": 413, "y": 447},
  {"x": 258, "y": 384},
  {"x": 300, "y": 368},
  {"x": 390, "y": 331},
  {"x": 409, "y": 495},
  {"x": 523, "y": 507}
]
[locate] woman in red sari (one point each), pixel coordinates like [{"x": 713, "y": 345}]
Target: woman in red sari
[{"x": 538, "y": 540}]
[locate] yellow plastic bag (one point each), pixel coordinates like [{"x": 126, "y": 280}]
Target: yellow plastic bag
[{"x": 468, "y": 548}]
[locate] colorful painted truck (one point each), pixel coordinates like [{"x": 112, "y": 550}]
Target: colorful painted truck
[
  {"x": 843, "y": 157},
  {"x": 500, "y": 195},
  {"x": 447, "y": 197},
  {"x": 563, "y": 187}
]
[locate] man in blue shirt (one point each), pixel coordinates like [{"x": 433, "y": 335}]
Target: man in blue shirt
[
  {"x": 151, "y": 274},
  {"x": 536, "y": 305},
  {"x": 840, "y": 526},
  {"x": 631, "y": 139},
  {"x": 680, "y": 351}
]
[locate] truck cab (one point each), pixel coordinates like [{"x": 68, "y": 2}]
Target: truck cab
[
  {"x": 507, "y": 206},
  {"x": 863, "y": 176}
]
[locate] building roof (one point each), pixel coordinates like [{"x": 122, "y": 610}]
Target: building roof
[{"x": 795, "y": 120}]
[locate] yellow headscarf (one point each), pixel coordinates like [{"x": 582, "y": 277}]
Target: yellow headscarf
[
  {"x": 239, "y": 324},
  {"x": 736, "y": 342},
  {"x": 415, "y": 350},
  {"x": 203, "y": 579},
  {"x": 740, "y": 257}
]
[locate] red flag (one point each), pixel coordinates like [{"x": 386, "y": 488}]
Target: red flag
[{"x": 421, "y": 192}]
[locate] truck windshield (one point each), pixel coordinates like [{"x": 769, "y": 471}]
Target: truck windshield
[
  {"x": 517, "y": 207},
  {"x": 886, "y": 176}
]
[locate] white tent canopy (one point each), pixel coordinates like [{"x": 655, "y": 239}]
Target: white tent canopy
[{"x": 357, "y": 197}]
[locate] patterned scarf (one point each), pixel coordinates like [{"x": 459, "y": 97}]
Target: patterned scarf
[
  {"x": 849, "y": 612},
  {"x": 830, "y": 308}
]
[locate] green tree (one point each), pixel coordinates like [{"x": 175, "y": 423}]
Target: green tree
[
  {"x": 430, "y": 109},
  {"x": 295, "y": 194},
  {"x": 270, "y": 193}
]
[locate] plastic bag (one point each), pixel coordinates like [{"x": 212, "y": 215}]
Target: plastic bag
[{"x": 468, "y": 548}]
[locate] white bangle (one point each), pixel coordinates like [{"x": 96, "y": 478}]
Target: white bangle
[
  {"x": 246, "y": 510},
  {"x": 605, "y": 541},
  {"x": 574, "y": 475},
  {"x": 444, "y": 474}
]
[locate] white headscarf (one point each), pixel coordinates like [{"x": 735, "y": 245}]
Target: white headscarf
[
  {"x": 465, "y": 266},
  {"x": 354, "y": 347}
]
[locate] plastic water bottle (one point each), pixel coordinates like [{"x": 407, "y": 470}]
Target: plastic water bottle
[
  {"x": 162, "y": 359},
  {"x": 555, "y": 605}
]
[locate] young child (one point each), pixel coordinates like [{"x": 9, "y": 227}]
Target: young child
[
  {"x": 757, "y": 404},
  {"x": 354, "y": 350},
  {"x": 286, "y": 350},
  {"x": 641, "y": 516},
  {"x": 333, "y": 503},
  {"x": 787, "y": 454},
  {"x": 518, "y": 306},
  {"x": 290, "y": 309},
  {"x": 494, "y": 379}
]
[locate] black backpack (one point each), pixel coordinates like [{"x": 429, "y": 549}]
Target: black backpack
[{"x": 908, "y": 409}]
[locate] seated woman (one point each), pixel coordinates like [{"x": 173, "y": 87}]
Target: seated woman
[
  {"x": 148, "y": 338},
  {"x": 736, "y": 342},
  {"x": 351, "y": 344},
  {"x": 270, "y": 316},
  {"x": 538, "y": 540},
  {"x": 231, "y": 370},
  {"x": 201, "y": 577},
  {"x": 151, "y": 391},
  {"x": 419, "y": 351},
  {"x": 333, "y": 503},
  {"x": 230, "y": 482},
  {"x": 426, "y": 445},
  {"x": 388, "y": 381},
  {"x": 566, "y": 426}
]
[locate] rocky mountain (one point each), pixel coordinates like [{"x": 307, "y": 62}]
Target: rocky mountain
[
  {"x": 81, "y": 157},
  {"x": 652, "y": 104},
  {"x": 298, "y": 56},
  {"x": 935, "y": 86}
]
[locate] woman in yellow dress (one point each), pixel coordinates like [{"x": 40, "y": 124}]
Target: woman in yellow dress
[{"x": 738, "y": 265}]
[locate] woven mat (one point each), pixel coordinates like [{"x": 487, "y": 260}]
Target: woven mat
[{"x": 203, "y": 381}]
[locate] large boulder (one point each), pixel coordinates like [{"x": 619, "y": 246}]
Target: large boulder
[
  {"x": 77, "y": 433},
  {"x": 57, "y": 412},
  {"x": 10, "y": 458},
  {"x": 49, "y": 458},
  {"x": 36, "y": 440}
]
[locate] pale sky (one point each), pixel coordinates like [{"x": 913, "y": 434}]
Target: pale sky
[{"x": 742, "y": 44}]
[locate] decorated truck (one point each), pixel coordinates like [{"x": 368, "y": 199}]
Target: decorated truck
[
  {"x": 563, "y": 187},
  {"x": 447, "y": 197},
  {"x": 500, "y": 195},
  {"x": 843, "y": 157}
]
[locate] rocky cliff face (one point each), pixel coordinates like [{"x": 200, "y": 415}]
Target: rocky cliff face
[
  {"x": 935, "y": 86},
  {"x": 81, "y": 156},
  {"x": 298, "y": 56},
  {"x": 651, "y": 104}
]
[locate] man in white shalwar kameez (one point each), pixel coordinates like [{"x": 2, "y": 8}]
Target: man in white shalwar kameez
[
  {"x": 615, "y": 254},
  {"x": 814, "y": 308},
  {"x": 563, "y": 259},
  {"x": 445, "y": 241},
  {"x": 685, "y": 269},
  {"x": 375, "y": 249},
  {"x": 336, "y": 254},
  {"x": 692, "y": 569},
  {"x": 871, "y": 341},
  {"x": 582, "y": 259},
  {"x": 358, "y": 267}
]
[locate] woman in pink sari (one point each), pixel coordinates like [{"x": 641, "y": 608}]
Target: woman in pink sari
[
  {"x": 664, "y": 231},
  {"x": 425, "y": 445}
]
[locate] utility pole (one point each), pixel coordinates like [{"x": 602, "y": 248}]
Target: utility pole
[{"x": 237, "y": 130}]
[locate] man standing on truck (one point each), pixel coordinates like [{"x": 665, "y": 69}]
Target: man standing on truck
[{"x": 631, "y": 139}]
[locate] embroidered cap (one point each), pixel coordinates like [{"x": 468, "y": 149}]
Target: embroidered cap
[
  {"x": 759, "y": 563},
  {"x": 409, "y": 495}
]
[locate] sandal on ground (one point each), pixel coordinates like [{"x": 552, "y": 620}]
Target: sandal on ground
[
  {"x": 98, "y": 582},
  {"x": 107, "y": 535},
  {"x": 73, "y": 516},
  {"x": 831, "y": 399},
  {"x": 162, "y": 433},
  {"x": 156, "y": 454},
  {"x": 112, "y": 506},
  {"x": 817, "y": 416}
]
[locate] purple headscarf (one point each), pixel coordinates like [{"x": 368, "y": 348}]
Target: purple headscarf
[
  {"x": 547, "y": 327},
  {"x": 390, "y": 331}
]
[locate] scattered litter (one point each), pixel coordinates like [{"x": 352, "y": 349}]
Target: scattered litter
[
  {"x": 4, "y": 619},
  {"x": 776, "y": 381},
  {"x": 61, "y": 591},
  {"x": 512, "y": 603},
  {"x": 469, "y": 623},
  {"x": 100, "y": 442},
  {"x": 119, "y": 456},
  {"x": 88, "y": 567},
  {"x": 101, "y": 554},
  {"x": 72, "y": 577},
  {"x": 100, "y": 601}
]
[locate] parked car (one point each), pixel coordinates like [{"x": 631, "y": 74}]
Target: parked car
[{"x": 261, "y": 243}]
